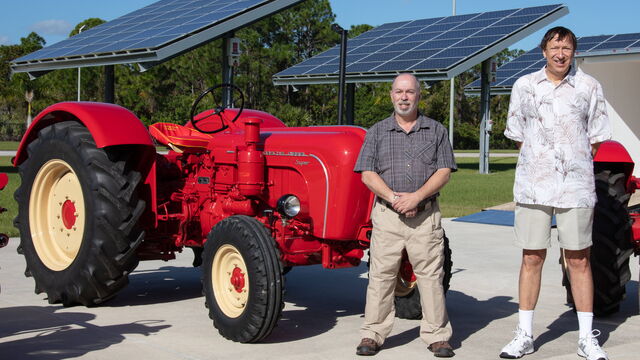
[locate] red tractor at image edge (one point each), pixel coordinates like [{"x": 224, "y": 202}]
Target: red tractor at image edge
[{"x": 250, "y": 196}]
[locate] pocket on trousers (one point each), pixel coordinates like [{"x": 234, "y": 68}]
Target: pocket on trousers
[{"x": 438, "y": 234}]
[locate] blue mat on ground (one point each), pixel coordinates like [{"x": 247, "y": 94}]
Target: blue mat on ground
[
  {"x": 494, "y": 217},
  {"x": 491, "y": 217}
]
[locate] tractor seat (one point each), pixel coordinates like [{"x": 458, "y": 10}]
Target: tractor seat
[{"x": 179, "y": 138}]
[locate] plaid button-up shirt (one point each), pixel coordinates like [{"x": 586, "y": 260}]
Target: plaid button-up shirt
[{"x": 406, "y": 160}]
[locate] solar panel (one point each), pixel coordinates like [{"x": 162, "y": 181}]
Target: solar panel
[
  {"x": 152, "y": 34},
  {"x": 432, "y": 49},
  {"x": 533, "y": 60}
]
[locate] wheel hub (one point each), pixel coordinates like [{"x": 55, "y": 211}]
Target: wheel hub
[
  {"x": 237, "y": 279},
  {"x": 68, "y": 214}
]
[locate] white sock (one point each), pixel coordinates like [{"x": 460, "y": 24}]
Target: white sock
[
  {"x": 525, "y": 321},
  {"x": 585, "y": 322}
]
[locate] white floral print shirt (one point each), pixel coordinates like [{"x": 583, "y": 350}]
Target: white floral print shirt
[{"x": 557, "y": 125}]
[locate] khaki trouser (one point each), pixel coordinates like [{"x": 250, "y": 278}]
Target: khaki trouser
[{"x": 423, "y": 238}]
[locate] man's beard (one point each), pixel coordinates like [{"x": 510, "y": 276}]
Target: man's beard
[{"x": 408, "y": 111}]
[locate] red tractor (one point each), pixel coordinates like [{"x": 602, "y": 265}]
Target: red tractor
[
  {"x": 250, "y": 196},
  {"x": 4, "y": 180},
  {"x": 616, "y": 231}
]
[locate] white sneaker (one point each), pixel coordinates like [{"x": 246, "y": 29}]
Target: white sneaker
[
  {"x": 589, "y": 348},
  {"x": 522, "y": 344}
]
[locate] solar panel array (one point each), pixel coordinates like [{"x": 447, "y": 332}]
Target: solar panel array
[
  {"x": 427, "y": 45},
  {"x": 533, "y": 60},
  {"x": 149, "y": 27},
  {"x": 155, "y": 27}
]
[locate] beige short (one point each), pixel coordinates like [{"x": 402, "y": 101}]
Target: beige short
[{"x": 533, "y": 227}]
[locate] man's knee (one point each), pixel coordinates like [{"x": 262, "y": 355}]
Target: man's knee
[
  {"x": 577, "y": 259},
  {"x": 533, "y": 258}
]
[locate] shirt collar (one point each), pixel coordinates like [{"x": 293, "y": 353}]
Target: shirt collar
[
  {"x": 541, "y": 76},
  {"x": 392, "y": 124}
]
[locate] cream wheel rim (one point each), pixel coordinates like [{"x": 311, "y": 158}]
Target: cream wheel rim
[
  {"x": 56, "y": 214},
  {"x": 230, "y": 281},
  {"x": 404, "y": 287}
]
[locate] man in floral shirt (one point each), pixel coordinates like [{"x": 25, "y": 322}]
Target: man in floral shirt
[{"x": 558, "y": 118}]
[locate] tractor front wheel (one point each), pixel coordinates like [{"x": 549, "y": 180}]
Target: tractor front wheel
[
  {"x": 77, "y": 215},
  {"x": 243, "y": 279}
]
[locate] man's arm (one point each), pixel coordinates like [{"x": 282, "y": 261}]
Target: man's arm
[
  {"x": 375, "y": 183},
  {"x": 409, "y": 201}
]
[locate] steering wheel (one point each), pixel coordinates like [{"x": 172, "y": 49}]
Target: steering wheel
[{"x": 218, "y": 110}]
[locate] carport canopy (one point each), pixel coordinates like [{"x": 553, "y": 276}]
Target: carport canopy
[
  {"x": 151, "y": 35},
  {"x": 431, "y": 49}
]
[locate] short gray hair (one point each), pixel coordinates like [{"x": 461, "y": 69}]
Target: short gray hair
[{"x": 418, "y": 85}]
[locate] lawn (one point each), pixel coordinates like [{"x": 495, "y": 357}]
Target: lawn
[
  {"x": 9, "y": 145},
  {"x": 467, "y": 192}
]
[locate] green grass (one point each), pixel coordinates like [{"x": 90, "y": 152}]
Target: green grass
[
  {"x": 6, "y": 197},
  {"x": 468, "y": 191},
  {"x": 9, "y": 145},
  {"x": 501, "y": 151}
]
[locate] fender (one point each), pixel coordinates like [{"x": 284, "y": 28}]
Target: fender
[
  {"x": 612, "y": 151},
  {"x": 108, "y": 124}
]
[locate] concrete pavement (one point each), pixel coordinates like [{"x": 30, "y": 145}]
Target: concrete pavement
[{"x": 161, "y": 314}]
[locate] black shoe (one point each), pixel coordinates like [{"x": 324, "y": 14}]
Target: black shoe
[
  {"x": 367, "y": 347},
  {"x": 441, "y": 349}
]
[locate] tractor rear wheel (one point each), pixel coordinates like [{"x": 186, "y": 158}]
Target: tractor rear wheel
[
  {"x": 407, "y": 296},
  {"x": 612, "y": 245},
  {"x": 243, "y": 279},
  {"x": 77, "y": 214}
]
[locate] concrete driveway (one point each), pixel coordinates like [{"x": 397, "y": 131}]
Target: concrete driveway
[{"x": 161, "y": 314}]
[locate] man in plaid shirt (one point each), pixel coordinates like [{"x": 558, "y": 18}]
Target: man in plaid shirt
[{"x": 405, "y": 160}]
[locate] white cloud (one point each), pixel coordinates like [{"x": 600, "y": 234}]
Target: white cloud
[
  {"x": 52, "y": 27},
  {"x": 4, "y": 40}
]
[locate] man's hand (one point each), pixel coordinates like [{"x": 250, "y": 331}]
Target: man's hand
[
  {"x": 406, "y": 203},
  {"x": 411, "y": 213}
]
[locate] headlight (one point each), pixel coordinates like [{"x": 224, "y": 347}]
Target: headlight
[{"x": 289, "y": 205}]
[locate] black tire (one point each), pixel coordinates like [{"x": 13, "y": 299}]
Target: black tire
[
  {"x": 612, "y": 244},
  {"x": 408, "y": 306},
  {"x": 104, "y": 235},
  {"x": 241, "y": 246}
]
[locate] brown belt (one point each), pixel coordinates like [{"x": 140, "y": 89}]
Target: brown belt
[{"x": 422, "y": 205}]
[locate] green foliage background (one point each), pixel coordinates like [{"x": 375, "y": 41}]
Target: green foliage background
[{"x": 166, "y": 92}]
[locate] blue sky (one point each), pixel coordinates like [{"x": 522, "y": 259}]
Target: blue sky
[{"x": 54, "y": 19}]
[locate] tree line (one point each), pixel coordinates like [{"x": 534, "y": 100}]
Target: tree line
[{"x": 166, "y": 92}]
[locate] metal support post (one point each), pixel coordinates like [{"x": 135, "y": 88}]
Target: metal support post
[
  {"x": 452, "y": 93},
  {"x": 227, "y": 72},
  {"x": 109, "y": 84},
  {"x": 485, "y": 102},
  {"x": 351, "y": 103},
  {"x": 343, "y": 66}
]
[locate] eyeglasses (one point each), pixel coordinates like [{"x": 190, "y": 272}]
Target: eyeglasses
[{"x": 557, "y": 49}]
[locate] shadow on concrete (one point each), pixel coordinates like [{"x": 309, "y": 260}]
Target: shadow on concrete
[
  {"x": 568, "y": 321},
  {"x": 162, "y": 285},
  {"x": 319, "y": 297},
  {"x": 47, "y": 333},
  {"x": 467, "y": 314}
]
